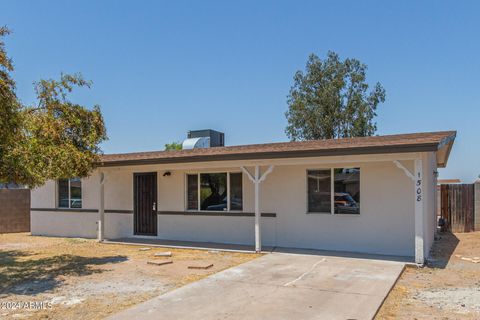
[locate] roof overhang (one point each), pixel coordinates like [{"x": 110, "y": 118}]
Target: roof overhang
[
  {"x": 443, "y": 150},
  {"x": 427, "y": 147}
]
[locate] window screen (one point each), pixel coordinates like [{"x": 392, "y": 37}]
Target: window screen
[
  {"x": 63, "y": 197},
  {"x": 319, "y": 191},
  {"x": 236, "y": 196},
  {"x": 192, "y": 192}
]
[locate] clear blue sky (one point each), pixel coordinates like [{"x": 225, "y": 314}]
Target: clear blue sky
[{"x": 160, "y": 68}]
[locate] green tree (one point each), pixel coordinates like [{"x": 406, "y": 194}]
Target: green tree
[
  {"x": 331, "y": 100},
  {"x": 173, "y": 146},
  {"x": 55, "y": 138},
  {"x": 10, "y": 115}
]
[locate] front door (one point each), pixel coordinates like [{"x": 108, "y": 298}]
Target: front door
[{"x": 145, "y": 203}]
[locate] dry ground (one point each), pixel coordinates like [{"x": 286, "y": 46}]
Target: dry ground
[
  {"x": 83, "y": 279},
  {"x": 448, "y": 288}
]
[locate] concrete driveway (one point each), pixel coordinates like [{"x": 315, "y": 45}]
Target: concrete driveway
[{"x": 280, "y": 286}]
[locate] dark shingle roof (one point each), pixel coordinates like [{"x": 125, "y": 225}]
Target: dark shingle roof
[{"x": 413, "y": 142}]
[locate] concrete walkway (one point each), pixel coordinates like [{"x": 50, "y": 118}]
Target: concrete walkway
[{"x": 279, "y": 286}]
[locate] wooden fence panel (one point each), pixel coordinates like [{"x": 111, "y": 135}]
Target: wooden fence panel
[{"x": 457, "y": 207}]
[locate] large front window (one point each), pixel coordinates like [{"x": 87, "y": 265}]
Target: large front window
[
  {"x": 345, "y": 183},
  {"x": 70, "y": 193},
  {"x": 215, "y": 191}
]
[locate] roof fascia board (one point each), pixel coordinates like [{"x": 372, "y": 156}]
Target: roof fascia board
[
  {"x": 448, "y": 144},
  {"x": 214, "y": 166},
  {"x": 264, "y": 157}
]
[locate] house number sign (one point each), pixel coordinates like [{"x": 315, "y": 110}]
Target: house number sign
[{"x": 418, "y": 186}]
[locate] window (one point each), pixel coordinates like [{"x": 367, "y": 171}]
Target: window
[
  {"x": 347, "y": 191},
  {"x": 214, "y": 191},
  {"x": 70, "y": 193},
  {"x": 346, "y": 188}
]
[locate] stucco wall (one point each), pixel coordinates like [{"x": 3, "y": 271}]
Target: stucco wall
[
  {"x": 80, "y": 224},
  {"x": 64, "y": 224},
  {"x": 385, "y": 225},
  {"x": 238, "y": 230}
]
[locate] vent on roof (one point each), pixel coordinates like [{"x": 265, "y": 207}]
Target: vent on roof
[{"x": 204, "y": 139}]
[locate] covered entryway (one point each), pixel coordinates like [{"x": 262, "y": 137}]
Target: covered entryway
[{"x": 145, "y": 203}]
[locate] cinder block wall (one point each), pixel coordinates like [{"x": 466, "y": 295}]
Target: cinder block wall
[
  {"x": 477, "y": 205},
  {"x": 14, "y": 210}
]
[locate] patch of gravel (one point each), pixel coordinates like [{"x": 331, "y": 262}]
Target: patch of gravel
[
  {"x": 120, "y": 286},
  {"x": 460, "y": 300}
]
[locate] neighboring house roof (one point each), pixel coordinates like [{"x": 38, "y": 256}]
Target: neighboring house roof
[
  {"x": 414, "y": 142},
  {"x": 448, "y": 181}
]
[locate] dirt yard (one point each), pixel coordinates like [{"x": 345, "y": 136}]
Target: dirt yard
[
  {"x": 59, "y": 278},
  {"x": 448, "y": 288}
]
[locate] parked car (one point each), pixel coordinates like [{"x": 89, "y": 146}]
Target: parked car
[{"x": 344, "y": 203}]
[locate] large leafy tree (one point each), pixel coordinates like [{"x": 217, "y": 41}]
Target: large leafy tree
[
  {"x": 331, "y": 99},
  {"x": 55, "y": 138}
]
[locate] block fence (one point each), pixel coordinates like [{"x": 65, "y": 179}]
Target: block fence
[
  {"x": 477, "y": 205},
  {"x": 14, "y": 210}
]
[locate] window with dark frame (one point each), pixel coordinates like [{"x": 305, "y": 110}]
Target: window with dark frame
[
  {"x": 70, "y": 193},
  {"x": 346, "y": 188},
  {"x": 215, "y": 191}
]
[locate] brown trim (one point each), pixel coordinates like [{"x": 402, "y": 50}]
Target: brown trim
[
  {"x": 63, "y": 209},
  {"x": 215, "y": 214},
  {"x": 278, "y": 155},
  {"x": 176, "y": 213},
  {"x": 119, "y": 211},
  {"x": 79, "y": 210}
]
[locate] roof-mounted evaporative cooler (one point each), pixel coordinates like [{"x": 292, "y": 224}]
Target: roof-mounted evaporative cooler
[{"x": 204, "y": 139}]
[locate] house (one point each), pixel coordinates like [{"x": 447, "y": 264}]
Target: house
[{"x": 370, "y": 195}]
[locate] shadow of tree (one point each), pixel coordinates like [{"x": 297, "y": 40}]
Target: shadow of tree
[
  {"x": 442, "y": 250},
  {"x": 22, "y": 274}
]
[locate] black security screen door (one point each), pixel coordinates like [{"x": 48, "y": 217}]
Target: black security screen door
[{"x": 145, "y": 203}]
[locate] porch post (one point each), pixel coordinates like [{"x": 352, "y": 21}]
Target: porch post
[
  {"x": 257, "y": 179},
  {"x": 258, "y": 240},
  {"x": 417, "y": 178},
  {"x": 419, "y": 234},
  {"x": 101, "y": 208}
]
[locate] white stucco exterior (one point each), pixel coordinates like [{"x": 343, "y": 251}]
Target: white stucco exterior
[{"x": 386, "y": 224}]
